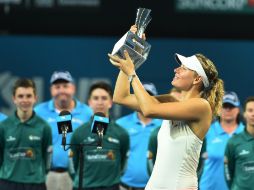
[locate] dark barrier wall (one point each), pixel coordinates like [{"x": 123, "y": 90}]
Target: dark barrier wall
[
  {"x": 230, "y": 19},
  {"x": 86, "y": 59}
]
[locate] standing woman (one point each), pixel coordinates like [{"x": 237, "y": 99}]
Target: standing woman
[{"x": 185, "y": 122}]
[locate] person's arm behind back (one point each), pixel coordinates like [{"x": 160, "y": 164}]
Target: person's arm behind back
[
  {"x": 125, "y": 146},
  {"x": 47, "y": 147},
  {"x": 152, "y": 150},
  {"x": 229, "y": 163},
  {"x": 74, "y": 153}
]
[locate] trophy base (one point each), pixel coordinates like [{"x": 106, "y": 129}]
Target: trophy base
[{"x": 137, "y": 48}]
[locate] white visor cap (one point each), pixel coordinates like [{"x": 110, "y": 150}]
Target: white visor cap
[{"x": 194, "y": 64}]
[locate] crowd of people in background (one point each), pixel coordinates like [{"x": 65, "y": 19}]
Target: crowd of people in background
[
  {"x": 193, "y": 137},
  {"x": 224, "y": 127},
  {"x": 32, "y": 158},
  {"x": 62, "y": 90}
]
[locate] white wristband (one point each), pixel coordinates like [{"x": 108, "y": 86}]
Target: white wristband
[{"x": 131, "y": 77}]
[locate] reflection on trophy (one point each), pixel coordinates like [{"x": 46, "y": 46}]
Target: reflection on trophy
[{"x": 137, "y": 48}]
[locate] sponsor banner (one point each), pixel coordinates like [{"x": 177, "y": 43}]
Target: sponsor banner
[{"x": 215, "y": 6}]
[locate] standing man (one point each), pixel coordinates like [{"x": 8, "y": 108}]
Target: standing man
[
  {"x": 219, "y": 133},
  {"x": 62, "y": 91},
  {"x": 102, "y": 167},
  {"x": 139, "y": 128},
  {"x": 2, "y": 116},
  {"x": 239, "y": 155},
  {"x": 25, "y": 143}
]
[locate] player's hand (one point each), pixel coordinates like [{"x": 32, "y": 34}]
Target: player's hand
[
  {"x": 134, "y": 29},
  {"x": 126, "y": 65}
]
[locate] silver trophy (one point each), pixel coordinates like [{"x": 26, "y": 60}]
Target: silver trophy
[{"x": 137, "y": 48}]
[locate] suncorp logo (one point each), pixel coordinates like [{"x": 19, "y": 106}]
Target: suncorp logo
[{"x": 213, "y": 4}]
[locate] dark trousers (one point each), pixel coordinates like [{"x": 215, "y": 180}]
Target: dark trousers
[
  {"x": 9, "y": 185},
  {"x": 114, "y": 187}
]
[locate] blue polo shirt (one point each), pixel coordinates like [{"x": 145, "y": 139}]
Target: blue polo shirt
[
  {"x": 136, "y": 174},
  {"x": 213, "y": 173},
  {"x": 2, "y": 117},
  {"x": 80, "y": 114}
]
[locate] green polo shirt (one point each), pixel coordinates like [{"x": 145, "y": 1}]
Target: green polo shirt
[
  {"x": 239, "y": 162},
  {"x": 25, "y": 149},
  {"x": 102, "y": 167}
]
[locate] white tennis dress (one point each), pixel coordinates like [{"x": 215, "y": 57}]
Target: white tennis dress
[{"x": 177, "y": 158}]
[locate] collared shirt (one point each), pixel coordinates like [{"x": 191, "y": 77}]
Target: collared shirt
[
  {"x": 102, "y": 167},
  {"x": 80, "y": 114},
  {"x": 136, "y": 174},
  {"x": 239, "y": 161},
  {"x": 25, "y": 149},
  {"x": 2, "y": 116},
  {"x": 213, "y": 173}
]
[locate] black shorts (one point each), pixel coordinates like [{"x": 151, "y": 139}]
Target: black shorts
[{"x": 9, "y": 185}]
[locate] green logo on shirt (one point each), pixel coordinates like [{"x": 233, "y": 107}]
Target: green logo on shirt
[
  {"x": 248, "y": 167},
  {"x": 100, "y": 155},
  {"x": 22, "y": 153}
]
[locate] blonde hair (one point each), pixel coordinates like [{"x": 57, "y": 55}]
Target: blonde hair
[{"x": 215, "y": 91}]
